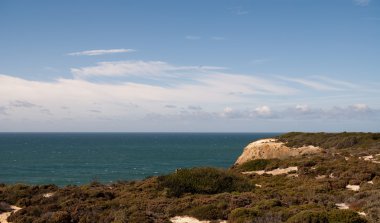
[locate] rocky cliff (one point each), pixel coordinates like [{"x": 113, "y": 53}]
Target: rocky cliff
[{"x": 271, "y": 149}]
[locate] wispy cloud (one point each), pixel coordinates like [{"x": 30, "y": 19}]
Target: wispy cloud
[
  {"x": 100, "y": 52},
  {"x": 239, "y": 10},
  {"x": 95, "y": 111},
  {"x": 191, "y": 37},
  {"x": 218, "y": 38},
  {"x": 122, "y": 68},
  {"x": 338, "y": 83},
  {"x": 362, "y": 2},
  {"x": 23, "y": 104},
  {"x": 259, "y": 61},
  {"x": 194, "y": 107},
  {"x": 170, "y": 106},
  {"x": 313, "y": 84},
  {"x": 238, "y": 85},
  {"x": 138, "y": 68}
]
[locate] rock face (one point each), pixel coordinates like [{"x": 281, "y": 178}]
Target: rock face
[{"x": 273, "y": 149}]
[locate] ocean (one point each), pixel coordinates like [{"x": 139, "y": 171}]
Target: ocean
[{"x": 79, "y": 158}]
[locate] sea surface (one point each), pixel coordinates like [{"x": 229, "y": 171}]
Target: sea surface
[{"x": 79, "y": 158}]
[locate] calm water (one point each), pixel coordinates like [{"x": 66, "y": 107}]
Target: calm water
[{"x": 78, "y": 158}]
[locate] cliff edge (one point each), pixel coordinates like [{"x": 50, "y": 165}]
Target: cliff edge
[{"x": 273, "y": 149}]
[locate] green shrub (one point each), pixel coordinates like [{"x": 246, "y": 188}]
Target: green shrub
[
  {"x": 322, "y": 216},
  {"x": 345, "y": 216},
  {"x": 243, "y": 215},
  {"x": 207, "y": 212},
  {"x": 375, "y": 136},
  {"x": 268, "y": 204},
  {"x": 60, "y": 217},
  {"x": 259, "y": 164},
  {"x": 310, "y": 216},
  {"x": 329, "y": 141},
  {"x": 203, "y": 181},
  {"x": 120, "y": 216}
]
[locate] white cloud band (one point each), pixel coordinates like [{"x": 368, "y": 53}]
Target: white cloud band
[{"x": 100, "y": 52}]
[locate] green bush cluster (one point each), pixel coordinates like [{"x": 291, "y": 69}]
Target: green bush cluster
[
  {"x": 259, "y": 164},
  {"x": 332, "y": 140},
  {"x": 203, "y": 181},
  {"x": 207, "y": 212},
  {"x": 243, "y": 215},
  {"x": 323, "y": 216}
]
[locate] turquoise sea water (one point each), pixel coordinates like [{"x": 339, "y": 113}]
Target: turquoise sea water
[{"x": 78, "y": 158}]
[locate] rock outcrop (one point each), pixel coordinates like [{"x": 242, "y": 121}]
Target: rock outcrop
[{"x": 273, "y": 149}]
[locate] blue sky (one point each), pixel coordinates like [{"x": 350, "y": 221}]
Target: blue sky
[{"x": 231, "y": 66}]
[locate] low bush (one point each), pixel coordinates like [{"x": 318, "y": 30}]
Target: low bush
[
  {"x": 323, "y": 216},
  {"x": 243, "y": 215},
  {"x": 310, "y": 216},
  {"x": 207, "y": 212},
  {"x": 60, "y": 217},
  {"x": 203, "y": 181},
  {"x": 345, "y": 216},
  {"x": 332, "y": 140},
  {"x": 259, "y": 164}
]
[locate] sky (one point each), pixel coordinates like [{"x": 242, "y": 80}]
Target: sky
[{"x": 189, "y": 66}]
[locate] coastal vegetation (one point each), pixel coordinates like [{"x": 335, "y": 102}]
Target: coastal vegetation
[
  {"x": 356, "y": 142},
  {"x": 341, "y": 184},
  {"x": 203, "y": 181}
]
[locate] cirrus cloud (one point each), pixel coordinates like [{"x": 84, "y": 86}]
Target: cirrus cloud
[
  {"x": 138, "y": 68},
  {"x": 100, "y": 52},
  {"x": 362, "y": 2}
]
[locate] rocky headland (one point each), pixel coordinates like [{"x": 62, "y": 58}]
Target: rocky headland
[{"x": 274, "y": 149}]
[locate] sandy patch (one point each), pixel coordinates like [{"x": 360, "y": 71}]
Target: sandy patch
[
  {"x": 47, "y": 195},
  {"x": 277, "y": 171},
  {"x": 353, "y": 187},
  {"x": 5, "y": 215},
  {"x": 319, "y": 177},
  {"x": 188, "y": 219},
  {"x": 371, "y": 158},
  {"x": 367, "y": 158},
  {"x": 342, "y": 206},
  {"x": 292, "y": 175}
]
